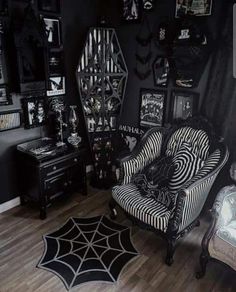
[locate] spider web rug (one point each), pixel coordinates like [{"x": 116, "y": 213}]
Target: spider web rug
[{"x": 87, "y": 249}]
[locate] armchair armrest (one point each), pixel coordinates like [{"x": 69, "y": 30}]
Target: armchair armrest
[
  {"x": 192, "y": 196},
  {"x": 148, "y": 149},
  {"x": 190, "y": 202}
]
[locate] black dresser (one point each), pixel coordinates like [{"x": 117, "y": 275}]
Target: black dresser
[{"x": 47, "y": 175}]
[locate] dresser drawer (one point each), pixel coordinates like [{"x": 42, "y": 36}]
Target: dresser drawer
[
  {"x": 56, "y": 184},
  {"x": 58, "y": 166}
]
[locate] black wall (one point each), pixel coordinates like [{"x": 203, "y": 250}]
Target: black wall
[{"x": 77, "y": 17}]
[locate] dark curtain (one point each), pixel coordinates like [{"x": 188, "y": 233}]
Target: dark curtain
[{"x": 219, "y": 104}]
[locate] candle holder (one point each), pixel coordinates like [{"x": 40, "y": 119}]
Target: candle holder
[{"x": 74, "y": 139}]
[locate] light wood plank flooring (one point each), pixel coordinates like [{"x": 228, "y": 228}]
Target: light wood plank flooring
[{"x": 21, "y": 247}]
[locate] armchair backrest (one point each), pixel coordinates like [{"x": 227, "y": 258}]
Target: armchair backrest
[
  {"x": 198, "y": 139},
  {"x": 144, "y": 153}
]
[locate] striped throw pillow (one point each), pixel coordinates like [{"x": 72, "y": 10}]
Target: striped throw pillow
[{"x": 187, "y": 164}]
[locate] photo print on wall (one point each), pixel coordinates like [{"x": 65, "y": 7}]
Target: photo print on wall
[
  {"x": 5, "y": 98},
  {"x": 193, "y": 7},
  {"x": 10, "y": 120},
  {"x": 56, "y": 86},
  {"x": 152, "y": 107},
  {"x": 131, "y": 10},
  {"x": 184, "y": 105},
  {"x": 34, "y": 109},
  {"x": 53, "y": 31}
]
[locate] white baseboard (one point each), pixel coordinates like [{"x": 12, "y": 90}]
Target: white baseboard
[
  {"x": 16, "y": 201},
  {"x": 9, "y": 204}
]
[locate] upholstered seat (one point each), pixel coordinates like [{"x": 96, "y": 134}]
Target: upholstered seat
[
  {"x": 197, "y": 157},
  {"x": 146, "y": 210}
]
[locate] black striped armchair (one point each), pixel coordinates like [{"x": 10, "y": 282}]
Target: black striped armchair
[{"x": 188, "y": 196}]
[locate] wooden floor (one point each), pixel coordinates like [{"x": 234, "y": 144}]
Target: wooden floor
[{"x": 21, "y": 247}]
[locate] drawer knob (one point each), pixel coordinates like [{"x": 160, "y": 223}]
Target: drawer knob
[
  {"x": 65, "y": 184},
  {"x": 75, "y": 160},
  {"x": 54, "y": 167}
]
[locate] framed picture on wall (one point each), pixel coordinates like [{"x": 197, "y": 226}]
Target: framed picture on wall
[
  {"x": 194, "y": 7},
  {"x": 55, "y": 63},
  {"x": 161, "y": 70},
  {"x": 131, "y": 10},
  {"x": 184, "y": 105},
  {"x": 5, "y": 97},
  {"x": 56, "y": 86},
  {"x": 10, "y": 120},
  {"x": 3, "y": 69},
  {"x": 53, "y": 31},
  {"x": 152, "y": 107},
  {"x": 49, "y": 6},
  {"x": 34, "y": 109}
]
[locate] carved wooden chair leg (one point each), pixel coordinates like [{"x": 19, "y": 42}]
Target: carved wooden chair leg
[
  {"x": 203, "y": 263},
  {"x": 112, "y": 206},
  {"x": 170, "y": 251}
]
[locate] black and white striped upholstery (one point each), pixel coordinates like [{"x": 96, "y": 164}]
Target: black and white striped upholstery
[
  {"x": 144, "y": 209},
  {"x": 150, "y": 150},
  {"x": 198, "y": 140},
  {"x": 189, "y": 190},
  {"x": 187, "y": 165}
]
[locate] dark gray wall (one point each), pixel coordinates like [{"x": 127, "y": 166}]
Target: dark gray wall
[{"x": 77, "y": 17}]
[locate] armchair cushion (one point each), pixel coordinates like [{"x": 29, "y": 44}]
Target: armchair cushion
[
  {"x": 144, "y": 209},
  {"x": 228, "y": 233},
  {"x": 159, "y": 171},
  {"x": 187, "y": 164},
  {"x": 161, "y": 195},
  {"x": 198, "y": 139},
  {"x": 222, "y": 250}
]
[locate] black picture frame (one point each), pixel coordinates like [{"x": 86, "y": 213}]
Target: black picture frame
[
  {"x": 55, "y": 63},
  {"x": 161, "y": 71},
  {"x": 185, "y": 7},
  {"x": 49, "y": 6},
  {"x": 34, "y": 110},
  {"x": 131, "y": 11},
  {"x": 3, "y": 68},
  {"x": 10, "y": 120},
  {"x": 5, "y": 97},
  {"x": 56, "y": 86},
  {"x": 152, "y": 107},
  {"x": 184, "y": 105},
  {"x": 52, "y": 27}
]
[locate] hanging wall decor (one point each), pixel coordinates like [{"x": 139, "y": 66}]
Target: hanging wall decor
[
  {"x": 34, "y": 109},
  {"x": 194, "y": 7},
  {"x": 53, "y": 31},
  {"x": 161, "y": 71},
  {"x": 101, "y": 76},
  {"x": 5, "y": 98},
  {"x": 31, "y": 45},
  {"x": 148, "y": 4},
  {"x": 131, "y": 10},
  {"x": 10, "y": 120},
  {"x": 184, "y": 105},
  {"x": 152, "y": 107},
  {"x": 143, "y": 53}
]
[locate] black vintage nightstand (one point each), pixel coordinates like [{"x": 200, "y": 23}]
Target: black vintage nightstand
[{"x": 47, "y": 171}]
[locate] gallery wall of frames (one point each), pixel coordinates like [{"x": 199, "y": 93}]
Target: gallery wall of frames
[{"x": 161, "y": 88}]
